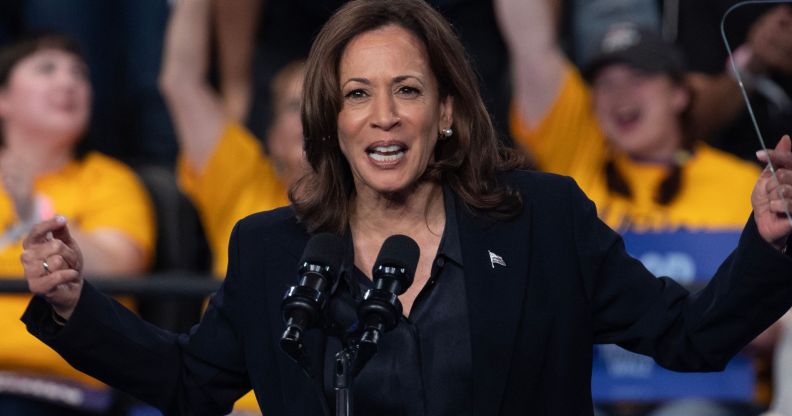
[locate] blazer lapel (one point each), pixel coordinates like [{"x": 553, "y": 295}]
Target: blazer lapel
[{"x": 496, "y": 257}]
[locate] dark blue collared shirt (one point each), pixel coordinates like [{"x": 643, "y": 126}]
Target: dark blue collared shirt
[{"x": 424, "y": 365}]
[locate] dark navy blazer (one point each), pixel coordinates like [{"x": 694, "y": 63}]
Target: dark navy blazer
[{"x": 568, "y": 283}]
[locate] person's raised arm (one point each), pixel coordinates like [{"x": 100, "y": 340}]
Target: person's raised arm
[
  {"x": 717, "y": 102},
  {"x": 194, "y": 105},
  {"x": 236, "y": 22},
  {"x": 768, "y": 49},
  {"x": 529, "y": 28}
]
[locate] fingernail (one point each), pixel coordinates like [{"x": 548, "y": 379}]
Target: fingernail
[
  {"x": 761, "y": 154},
  {"x": 60, "y": 219}
]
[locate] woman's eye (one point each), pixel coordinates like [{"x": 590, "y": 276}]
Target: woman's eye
[
  {"x": 409, "y": 91},
  {"x": 356, "y": 94}
]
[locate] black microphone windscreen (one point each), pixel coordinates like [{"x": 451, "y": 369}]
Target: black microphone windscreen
[
  {"x": 399, "y": 251},
  {"x": 325, "y": 249}
]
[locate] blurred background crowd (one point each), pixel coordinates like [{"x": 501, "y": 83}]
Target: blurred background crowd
[{"x": 155, "y": 125}]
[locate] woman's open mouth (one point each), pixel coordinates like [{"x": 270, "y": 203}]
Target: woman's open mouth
[{"x": 386, "y": 155}]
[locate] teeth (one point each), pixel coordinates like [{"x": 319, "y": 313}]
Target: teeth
[
  {"x": 386, "y": 158},
  {"x": 386, "y": 154},
  {"x": 387, "y": 149}
]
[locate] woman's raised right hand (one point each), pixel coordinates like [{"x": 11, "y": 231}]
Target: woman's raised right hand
[{"x": 53, "y": 265}]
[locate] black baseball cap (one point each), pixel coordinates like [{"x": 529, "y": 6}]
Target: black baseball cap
[{"x": 640, "y": 48}]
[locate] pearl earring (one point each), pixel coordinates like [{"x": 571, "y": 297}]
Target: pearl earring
[{"x": 447, "y": 132}]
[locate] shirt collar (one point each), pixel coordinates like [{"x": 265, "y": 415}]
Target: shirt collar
[{"x": 450, "y": 247}]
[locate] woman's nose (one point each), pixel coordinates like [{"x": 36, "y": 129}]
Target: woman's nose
[{"x": 385, "y": 114}]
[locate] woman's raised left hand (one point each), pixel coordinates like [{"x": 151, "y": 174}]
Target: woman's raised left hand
[{"x": 771, "y": 199}]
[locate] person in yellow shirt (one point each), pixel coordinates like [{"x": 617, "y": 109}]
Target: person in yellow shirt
[
  {"x": 622, "y": 137},
  {"x": 45, "y": 100},
  {"x": 222, "y": 166},
  {"x": 620, "y": 129}
]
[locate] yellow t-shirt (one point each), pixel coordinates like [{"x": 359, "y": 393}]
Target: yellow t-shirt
[
  {"x": 95, "y": 193},
  {"x": 238, "y": 181},
  {"x": 715, "y": 191}
]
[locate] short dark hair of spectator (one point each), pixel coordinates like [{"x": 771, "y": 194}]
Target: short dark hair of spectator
[
  {"x": 16, "y": 51},
  {"x": 467, "y": 161},
  {"x": 27, "y": 45}
]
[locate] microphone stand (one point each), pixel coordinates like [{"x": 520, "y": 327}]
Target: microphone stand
[
  {"x": 342, "y": 381},
  {"x": 349, "y": 362}
]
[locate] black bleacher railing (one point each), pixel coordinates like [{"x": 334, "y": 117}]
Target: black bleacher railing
[{"x": 184, "y": 285}]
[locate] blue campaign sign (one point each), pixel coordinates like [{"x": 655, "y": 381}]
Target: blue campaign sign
[
  {"x": 690, "y": 257},
  {"x": 687, "y": 256},
  {"x": 620, "y": 375}
]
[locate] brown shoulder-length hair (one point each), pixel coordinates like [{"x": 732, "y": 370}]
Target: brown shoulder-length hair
[{"x": 468, "y": 161}]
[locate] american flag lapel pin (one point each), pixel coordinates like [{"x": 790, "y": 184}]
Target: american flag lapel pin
[{"x": 496, "y": 259}]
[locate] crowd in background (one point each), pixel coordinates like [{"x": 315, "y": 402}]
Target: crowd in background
[{"x": 201, "y": 99}]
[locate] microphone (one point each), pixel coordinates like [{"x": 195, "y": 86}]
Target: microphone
[
  {"x": 393, "y": 273},
  {"x": 318, "y": 278}
]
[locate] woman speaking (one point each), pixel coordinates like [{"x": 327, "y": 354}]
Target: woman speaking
[{"x": 516, "y": 279}]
